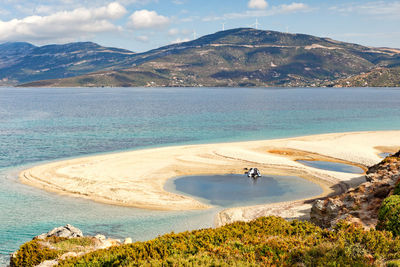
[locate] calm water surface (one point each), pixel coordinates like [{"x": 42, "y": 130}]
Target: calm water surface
[
  {"x": 332, "y": 166},
  {"x": 385, "y": 154},
  {"x": 39, "y": 125},
  {"x": 238, "y": 190}
]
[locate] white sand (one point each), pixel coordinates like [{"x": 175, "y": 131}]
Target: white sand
[{"x": 137, "y": 178}]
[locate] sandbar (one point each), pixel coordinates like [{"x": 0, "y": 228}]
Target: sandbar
[{"x": 137, "y": 178}]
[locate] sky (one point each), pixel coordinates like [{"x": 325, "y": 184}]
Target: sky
[{"x": 141, "y": 25}]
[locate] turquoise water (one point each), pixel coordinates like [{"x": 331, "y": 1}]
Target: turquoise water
[
  {"x": 332, "y": 166},
  {"x": 38, "y": 125},
  {"x": 239, "y": 190}
]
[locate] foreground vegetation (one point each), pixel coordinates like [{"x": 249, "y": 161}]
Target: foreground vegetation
[
  {"x": 36, "y": 251},
  {"x": 265, "y": 241}
]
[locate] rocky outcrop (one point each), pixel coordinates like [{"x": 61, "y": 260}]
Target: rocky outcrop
[
  {"x": 64, "y": 233},
  {"x": 361, "y": 204},
  {"x": 67, "y": 231}
]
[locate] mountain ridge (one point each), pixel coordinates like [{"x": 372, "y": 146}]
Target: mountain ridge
[
  {"x": 55, "y": 61},
  {"x": 237, "y": 57}
]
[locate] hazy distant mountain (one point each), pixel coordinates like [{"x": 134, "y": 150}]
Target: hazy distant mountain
[
  {"x": 238, "y": 57},
  {"x": 23, "y": 62},
  {"x": 12, "y": 53}
]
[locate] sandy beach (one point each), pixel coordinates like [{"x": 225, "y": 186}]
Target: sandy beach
[{"x": 137, "y": 178}]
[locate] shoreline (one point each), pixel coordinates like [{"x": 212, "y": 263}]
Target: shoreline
[{"x": 137, "y": 178}]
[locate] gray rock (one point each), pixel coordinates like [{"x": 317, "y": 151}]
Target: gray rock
[
  {"x": 67, "y": 231},
  {"x": 319, "y": 205},
  {"x": 332, "y": 207}
]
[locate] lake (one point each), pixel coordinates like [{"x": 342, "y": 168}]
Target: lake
[{"x": 45, "y": 124}]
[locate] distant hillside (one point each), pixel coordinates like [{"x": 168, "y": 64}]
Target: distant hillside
[
  {"x": 13, "y": 53},
  {"x": 267, "y": 241},
  {"x": 23, "y": 62},
  {"x": 382, "y": 77},
  {"x": 239, "y": 57}
]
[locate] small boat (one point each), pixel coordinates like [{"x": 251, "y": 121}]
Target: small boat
[{"x": 253, "y": 173}]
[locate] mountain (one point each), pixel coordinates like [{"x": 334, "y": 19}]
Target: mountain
[
  {"x": 12, "y": 53},
  {"x": 23, "y": 62},
  {"x": 382, "y": 77},
  {"x": 238, "y": 57}
]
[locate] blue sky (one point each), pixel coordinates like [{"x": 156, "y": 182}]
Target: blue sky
[{"x": 140, "y": 25}]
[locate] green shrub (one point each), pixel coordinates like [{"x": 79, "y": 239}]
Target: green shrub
[
  {"x": 393, "y": 263},
  {"x": 33, "y": 253},
  {"x": 397, "y": 189},
  {"x": 262, "y": 242},
  {"x": 389, "y": 215},
  {"x": 36, "y": 251},
  {"x": 77, "y": 244}
]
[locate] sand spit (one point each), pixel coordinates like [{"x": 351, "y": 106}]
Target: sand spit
[{"x": 137, "y": 178}]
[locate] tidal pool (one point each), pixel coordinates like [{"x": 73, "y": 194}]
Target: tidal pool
[
  {"x": 238, "y": 190},
  {"x": 332, "y": 166},
  {"x": 384, "y": 154}
]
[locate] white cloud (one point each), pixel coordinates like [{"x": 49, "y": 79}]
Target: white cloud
[
  {"x": 62, "y": 25},
  {"x": 112, "y": 11},
  {"x": 143, "y": 38},
  {"x": 44, "y": 10},
  {"x": 293, "y": 7},
  {"x": 274, "y": 10},
  {"x": 380, "y": 9},
  {"x": 257, "y": 4},
  {"x": 145, "y": 19}
]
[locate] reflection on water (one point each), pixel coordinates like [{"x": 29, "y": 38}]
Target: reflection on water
[
  {"x": 332, "y": 166},
  {"x": 239, "y": 190}
]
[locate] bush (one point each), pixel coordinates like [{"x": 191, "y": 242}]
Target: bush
[
  {"x": 36, "y": 251},
  {"x": 397, "y": 189},
  {"x": 389, "y": 215},
  {"x": 393, "y": 263},
  {"x": 32, "y": 253},
  {"x": 262, "y": 242}
]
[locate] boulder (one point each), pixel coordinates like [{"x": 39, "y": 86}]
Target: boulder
[{"x": 67, "y": 231}]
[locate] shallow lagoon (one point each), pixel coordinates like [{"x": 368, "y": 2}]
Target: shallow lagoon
[
  {"x": 38, "y": 125},
  {"x": 332, "y": 166},
  {"x": 239, "y": 190},
  {"x": 385, "y": 154}
]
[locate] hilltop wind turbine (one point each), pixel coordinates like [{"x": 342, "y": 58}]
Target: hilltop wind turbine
[
  {"x": 223, "y": 26},
  {"x": 256, "y": 25},
  {"x": 194, "y": 35}
]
